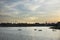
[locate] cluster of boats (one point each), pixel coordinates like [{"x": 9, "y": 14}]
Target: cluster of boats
[
  {"x": 38, "y": 30},
  {"x": 34, "y": 29}
]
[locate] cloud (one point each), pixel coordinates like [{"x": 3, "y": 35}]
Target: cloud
[{"x": 30, "y": 9}]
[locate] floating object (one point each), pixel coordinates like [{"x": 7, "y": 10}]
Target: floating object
[
  {"x": 35, "y": 29},
  {"x": 19, "y": 29},
  {"x": 53, "y": 30},
  {"x": 39, "y": 30}
]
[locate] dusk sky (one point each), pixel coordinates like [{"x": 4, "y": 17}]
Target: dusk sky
[{"x": 29, "y": 11}]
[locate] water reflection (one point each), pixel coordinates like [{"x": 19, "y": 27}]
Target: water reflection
[{"x": 29, "y": 33}]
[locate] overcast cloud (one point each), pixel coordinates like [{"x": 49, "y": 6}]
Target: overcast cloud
[{"x": 30, "y": 10}]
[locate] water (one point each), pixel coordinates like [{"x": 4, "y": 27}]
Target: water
[{"x": 28, "y": 33}]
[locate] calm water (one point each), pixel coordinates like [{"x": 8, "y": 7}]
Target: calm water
[{"x": 28, "y": 33}]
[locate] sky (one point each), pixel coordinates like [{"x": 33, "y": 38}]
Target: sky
[{"x": 29, "y": 11}]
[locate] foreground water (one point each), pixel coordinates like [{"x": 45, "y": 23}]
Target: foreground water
[{"x": 28, "y": 33}]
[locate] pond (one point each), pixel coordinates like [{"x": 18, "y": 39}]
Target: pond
[{"x": 29, "y": 33}]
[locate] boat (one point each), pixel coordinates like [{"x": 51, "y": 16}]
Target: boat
[
  {"x": 19, "y": 29},
  {"x": 35, "y": 29},
  {"x": 40, "y": 30}
]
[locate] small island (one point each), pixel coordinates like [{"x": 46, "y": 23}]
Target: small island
[{"x": 56, "y": 26}]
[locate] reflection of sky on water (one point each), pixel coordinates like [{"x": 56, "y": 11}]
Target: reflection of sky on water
[{"x": 30, "y": 33}]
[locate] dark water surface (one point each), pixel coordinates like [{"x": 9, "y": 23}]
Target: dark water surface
[{"x": 28, "y": 33}]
